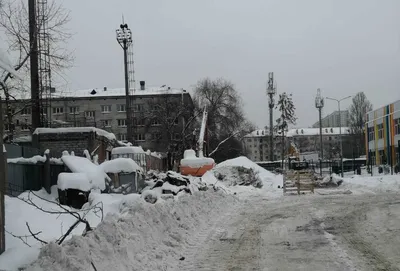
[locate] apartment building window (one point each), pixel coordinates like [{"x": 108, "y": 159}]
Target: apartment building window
[
  {"x": 154, "y": 107},
  {"x": 121, "y": 108},
  {"x": 58, "y": 110},
  {"x": 155, "y": 122},
  {"x": 6, "y": 127},
  {"x": 74, "y": 110},
  {"x": 107, "y": 123},
  {"x": 89, "y": 114},
  {"x": 106, "y": 108},
  {"x": 138, "y": 107},
  {"x": 380, "y": 131},
  {"x": 26, "y": 111},
  {"x": 397, "y": 126},
  {"x": 138, "y": 122},
  {"x": 122, "y": 137},
  {"x": 140, "y": 137},
  {"x": 122, "y": 122},
  {"x": 371, "y": 134}
]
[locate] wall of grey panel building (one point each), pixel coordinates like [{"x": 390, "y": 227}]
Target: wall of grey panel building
[{"x": 107, "y": 112}]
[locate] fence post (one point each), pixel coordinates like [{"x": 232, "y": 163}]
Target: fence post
[
  {"x": 3, "y": 181},
  {"x": 47, "y": 174}
]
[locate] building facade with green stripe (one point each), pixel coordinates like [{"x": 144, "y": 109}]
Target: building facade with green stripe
[{"x": 383, "y": 134}]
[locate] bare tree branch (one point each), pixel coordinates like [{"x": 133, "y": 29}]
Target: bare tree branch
[
  {"x": 34, "y": 235},
  {"x": 222, "y": 142}
]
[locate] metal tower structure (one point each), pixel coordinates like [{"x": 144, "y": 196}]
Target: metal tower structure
[
  {"x": 131, "y": 69},
  {"x": 44, "y": 69},
  {"x": 271, "y": 91},
  {"x": 124, "y": 39},
  {"x": 319, "y": 104}
]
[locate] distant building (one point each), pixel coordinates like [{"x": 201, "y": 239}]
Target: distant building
[
  {"x": 334, "y": 120},
  {"x": 106, "y": 109},
  {"x": 256, "y": 145},
  {"x": 383, "y": 134},
  {"x": 306, "y": 140}
]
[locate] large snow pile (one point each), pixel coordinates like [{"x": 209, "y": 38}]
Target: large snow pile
[
  {"x": 244, "y": 177},
  {"x": 237, "y": 175},
  {"x": 372, "y": 184},
  {"x": 152, "y": 232},
  {"x": 50, "y": 225},
  {"x": 140, "y": 236}
]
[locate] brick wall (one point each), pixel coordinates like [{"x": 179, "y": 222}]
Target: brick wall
[{"x": 73, "y": 141}]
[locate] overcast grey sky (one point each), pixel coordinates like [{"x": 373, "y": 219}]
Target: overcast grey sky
[{"x": 340, "y": 46}]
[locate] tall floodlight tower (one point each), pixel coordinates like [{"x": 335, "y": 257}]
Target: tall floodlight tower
[
  {"x": 271, "y": 91},
  {"x": 124, "y": 38},
  {"x": 319, "y": 104}
]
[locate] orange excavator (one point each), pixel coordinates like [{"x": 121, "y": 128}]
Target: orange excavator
[{"x": 197, "y": 165}]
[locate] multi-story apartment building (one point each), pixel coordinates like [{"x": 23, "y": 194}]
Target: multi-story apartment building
[
  {"x": 256, "y": 146},
  {"x": 306, "y": 140},
  {"x": 383, "y": 134},
  {"x": 159, "y": 114},
  {"x": 334, "y": 120}
]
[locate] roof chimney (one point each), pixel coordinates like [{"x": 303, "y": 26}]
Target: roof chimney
[{"x": 142, "y": 85}]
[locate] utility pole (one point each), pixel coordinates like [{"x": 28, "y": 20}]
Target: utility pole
[
  {"x": 319, "y": 104},
  {"x": 271, "y": 91},
  {"x": 3, "y": 180},
  {"x": 340, "y": 129},
  {"x": 35, "y": 97},
  {"x": 124, "y": 38}
]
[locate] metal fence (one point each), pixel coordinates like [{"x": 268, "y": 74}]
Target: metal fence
[
  {"x": 23, "y": 176},
  {"x": 15, "y": 151}
]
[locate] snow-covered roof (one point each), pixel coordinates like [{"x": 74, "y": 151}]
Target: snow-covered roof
[
  {"x": 79, "y": 181},
  {"x": 118, "y": 165},
  {"x": 302, "y": 131},
  {"x": 315, "y": 131},
  {"x": 130, "y": 149},
  {"x": 98, "y": 131},
  {"x": 260, "y": 133},
  {"x": 108, "y": 92},
  {"x": 94, "y": 172}
]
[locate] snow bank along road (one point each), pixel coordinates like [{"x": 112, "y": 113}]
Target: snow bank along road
[{"x": 336, "y": 232}]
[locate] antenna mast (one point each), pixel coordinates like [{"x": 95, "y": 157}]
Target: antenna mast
[{"x": 271, "y": 91}]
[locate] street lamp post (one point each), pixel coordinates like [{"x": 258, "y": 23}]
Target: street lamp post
[
  {"x": 124, "y": 38},
  {"x": 319, "y": 104},
  {"x": 340, "y": 129}
]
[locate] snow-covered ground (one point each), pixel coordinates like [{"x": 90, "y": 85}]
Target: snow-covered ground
[{"x": 241, "y": 226}]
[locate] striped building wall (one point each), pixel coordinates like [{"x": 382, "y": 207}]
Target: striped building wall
[{"x": 383, "y": 134}]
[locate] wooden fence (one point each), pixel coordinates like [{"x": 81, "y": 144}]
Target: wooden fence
[{"x": 299, "y": 181}]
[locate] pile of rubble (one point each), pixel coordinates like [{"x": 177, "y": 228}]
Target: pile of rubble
[
  {"x": 238, "y": 175},
  {"x": 170, "y": 184}
]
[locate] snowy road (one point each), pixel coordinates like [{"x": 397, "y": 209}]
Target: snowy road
[{"x": 341, "y": 232}]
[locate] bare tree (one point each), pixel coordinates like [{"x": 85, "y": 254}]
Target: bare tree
[
  {"x": 287, "y": 116},
  {"x": 358, "y": 110},
  {"x": 14, "y": 23},
  {"x": 226, "y": 119},
  {"x": 170, "y": 121}
]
